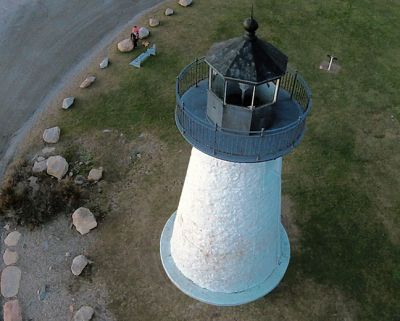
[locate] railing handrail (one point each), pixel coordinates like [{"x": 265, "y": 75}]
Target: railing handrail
[{"x": 289, "y": 70}]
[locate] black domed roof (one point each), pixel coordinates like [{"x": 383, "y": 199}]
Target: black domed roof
[{"x": 248, "y": 58}]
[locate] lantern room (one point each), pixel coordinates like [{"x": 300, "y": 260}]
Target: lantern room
[
  {"x": 242, "y": 102},
  {"x": 243, "y": 82}
]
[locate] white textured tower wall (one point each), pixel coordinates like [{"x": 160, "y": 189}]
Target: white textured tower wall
[{"x": 226, "y": 235}]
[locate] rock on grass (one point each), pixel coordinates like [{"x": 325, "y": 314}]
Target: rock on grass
[
  {"x": 185, "y": 3},
  {"x": 143, "y": 33},
  {"x": 12, "y": 239},
  {"x": 48, "y": 151},
  {"x": 57, "y": 166},
  {"x": 51, "y": 135},
  {"x": 104, "y": 63},
  {"x": 68, "y": 102},
  {"x": 39, "y": 166},
  {"x": 85, "y": 313},
  {"x": 10, "y": 257},
  {"x": 12, "y": 311},
  {"x": 95, "y": 174},
  {"x": 83, "y": 220},
  {"x": 78, "y": 264},
  {"x": 153, "y": 22},
  {"x": 169, "y": 12},
  {"x": 87, "y": 82},
  {"x": 10, "y": 279},
  {"x": 125, "y": 45}
]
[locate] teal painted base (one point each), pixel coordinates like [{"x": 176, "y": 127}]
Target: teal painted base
[{"x": 219, "y": 298}]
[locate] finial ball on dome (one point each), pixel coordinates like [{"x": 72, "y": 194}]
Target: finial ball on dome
[{"x": 250, "y": 25}]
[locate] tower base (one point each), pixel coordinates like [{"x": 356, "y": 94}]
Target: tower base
[{"x": 219, "y": 298}]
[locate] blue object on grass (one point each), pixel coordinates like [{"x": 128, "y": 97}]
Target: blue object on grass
[{"x": 143, "y": 56}]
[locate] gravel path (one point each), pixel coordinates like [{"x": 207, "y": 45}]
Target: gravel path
[{"x": 42, "y": 42}]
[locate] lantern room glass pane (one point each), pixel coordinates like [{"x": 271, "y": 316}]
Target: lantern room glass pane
[
  {"x": 217, "y": 84},
  {"x": 239, "y": 94},
  {"x": 265, "y": 94}
]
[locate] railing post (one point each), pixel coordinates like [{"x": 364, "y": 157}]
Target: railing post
[
  {"x": 294, "y": 84},
  {"x": 259, "y": 143},
  {"x": 215, "y": 138},
  {"x": 183, "y": 118},
  {"x": 197, "y": 59}
]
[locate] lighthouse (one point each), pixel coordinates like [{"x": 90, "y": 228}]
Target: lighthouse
[{"x": 242, "y": 109}]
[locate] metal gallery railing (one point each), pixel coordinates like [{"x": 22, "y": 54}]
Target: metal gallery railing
[
  {"x": 234, "y": 145},
  {"x": 191, "y": 75}
]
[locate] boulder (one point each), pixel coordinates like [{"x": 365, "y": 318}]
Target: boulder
[
  {"x": 68, "y": 102},
  {"x": 169, "y": 12},
  {"x": 79, "y": 180},
  {"x": 39, "y": 166},
  {"x": 87, "y": 82},
  {"x": 185, "y": 3},
  {"x": 78, "y": 264},
  {"x": 48, "y": 151},
  {"x": 95, "y": 174},
  {"x": 85, "y": 313},
  {"x": 33, "y": 183},
  {"x": 143, "y": 33},
  {"x": 10, "y": 279},
  {"x": 12, "y": 239},
  {"x": 104, "y": 63},
  {"x": 83, "y": 220},
  {"x": 57, "y": 166},
  {"x": 10, "y": 257},
  {"x": 153, "y": 22},
  {"x": 125, "y": 45},
  {"x": 12, "y": 311},
  {"x": 51, "y": 135}
]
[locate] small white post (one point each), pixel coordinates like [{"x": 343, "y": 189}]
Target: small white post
[{"x": 331, "y": 59}]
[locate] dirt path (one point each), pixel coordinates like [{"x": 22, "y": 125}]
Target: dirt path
[{"x": 41, "y": 42}]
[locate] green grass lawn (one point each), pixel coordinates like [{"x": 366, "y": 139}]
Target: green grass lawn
[{"x": 343, "y": 178}]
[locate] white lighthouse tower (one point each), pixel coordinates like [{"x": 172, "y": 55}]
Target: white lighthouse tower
[{"x": 241, "y": 109}]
